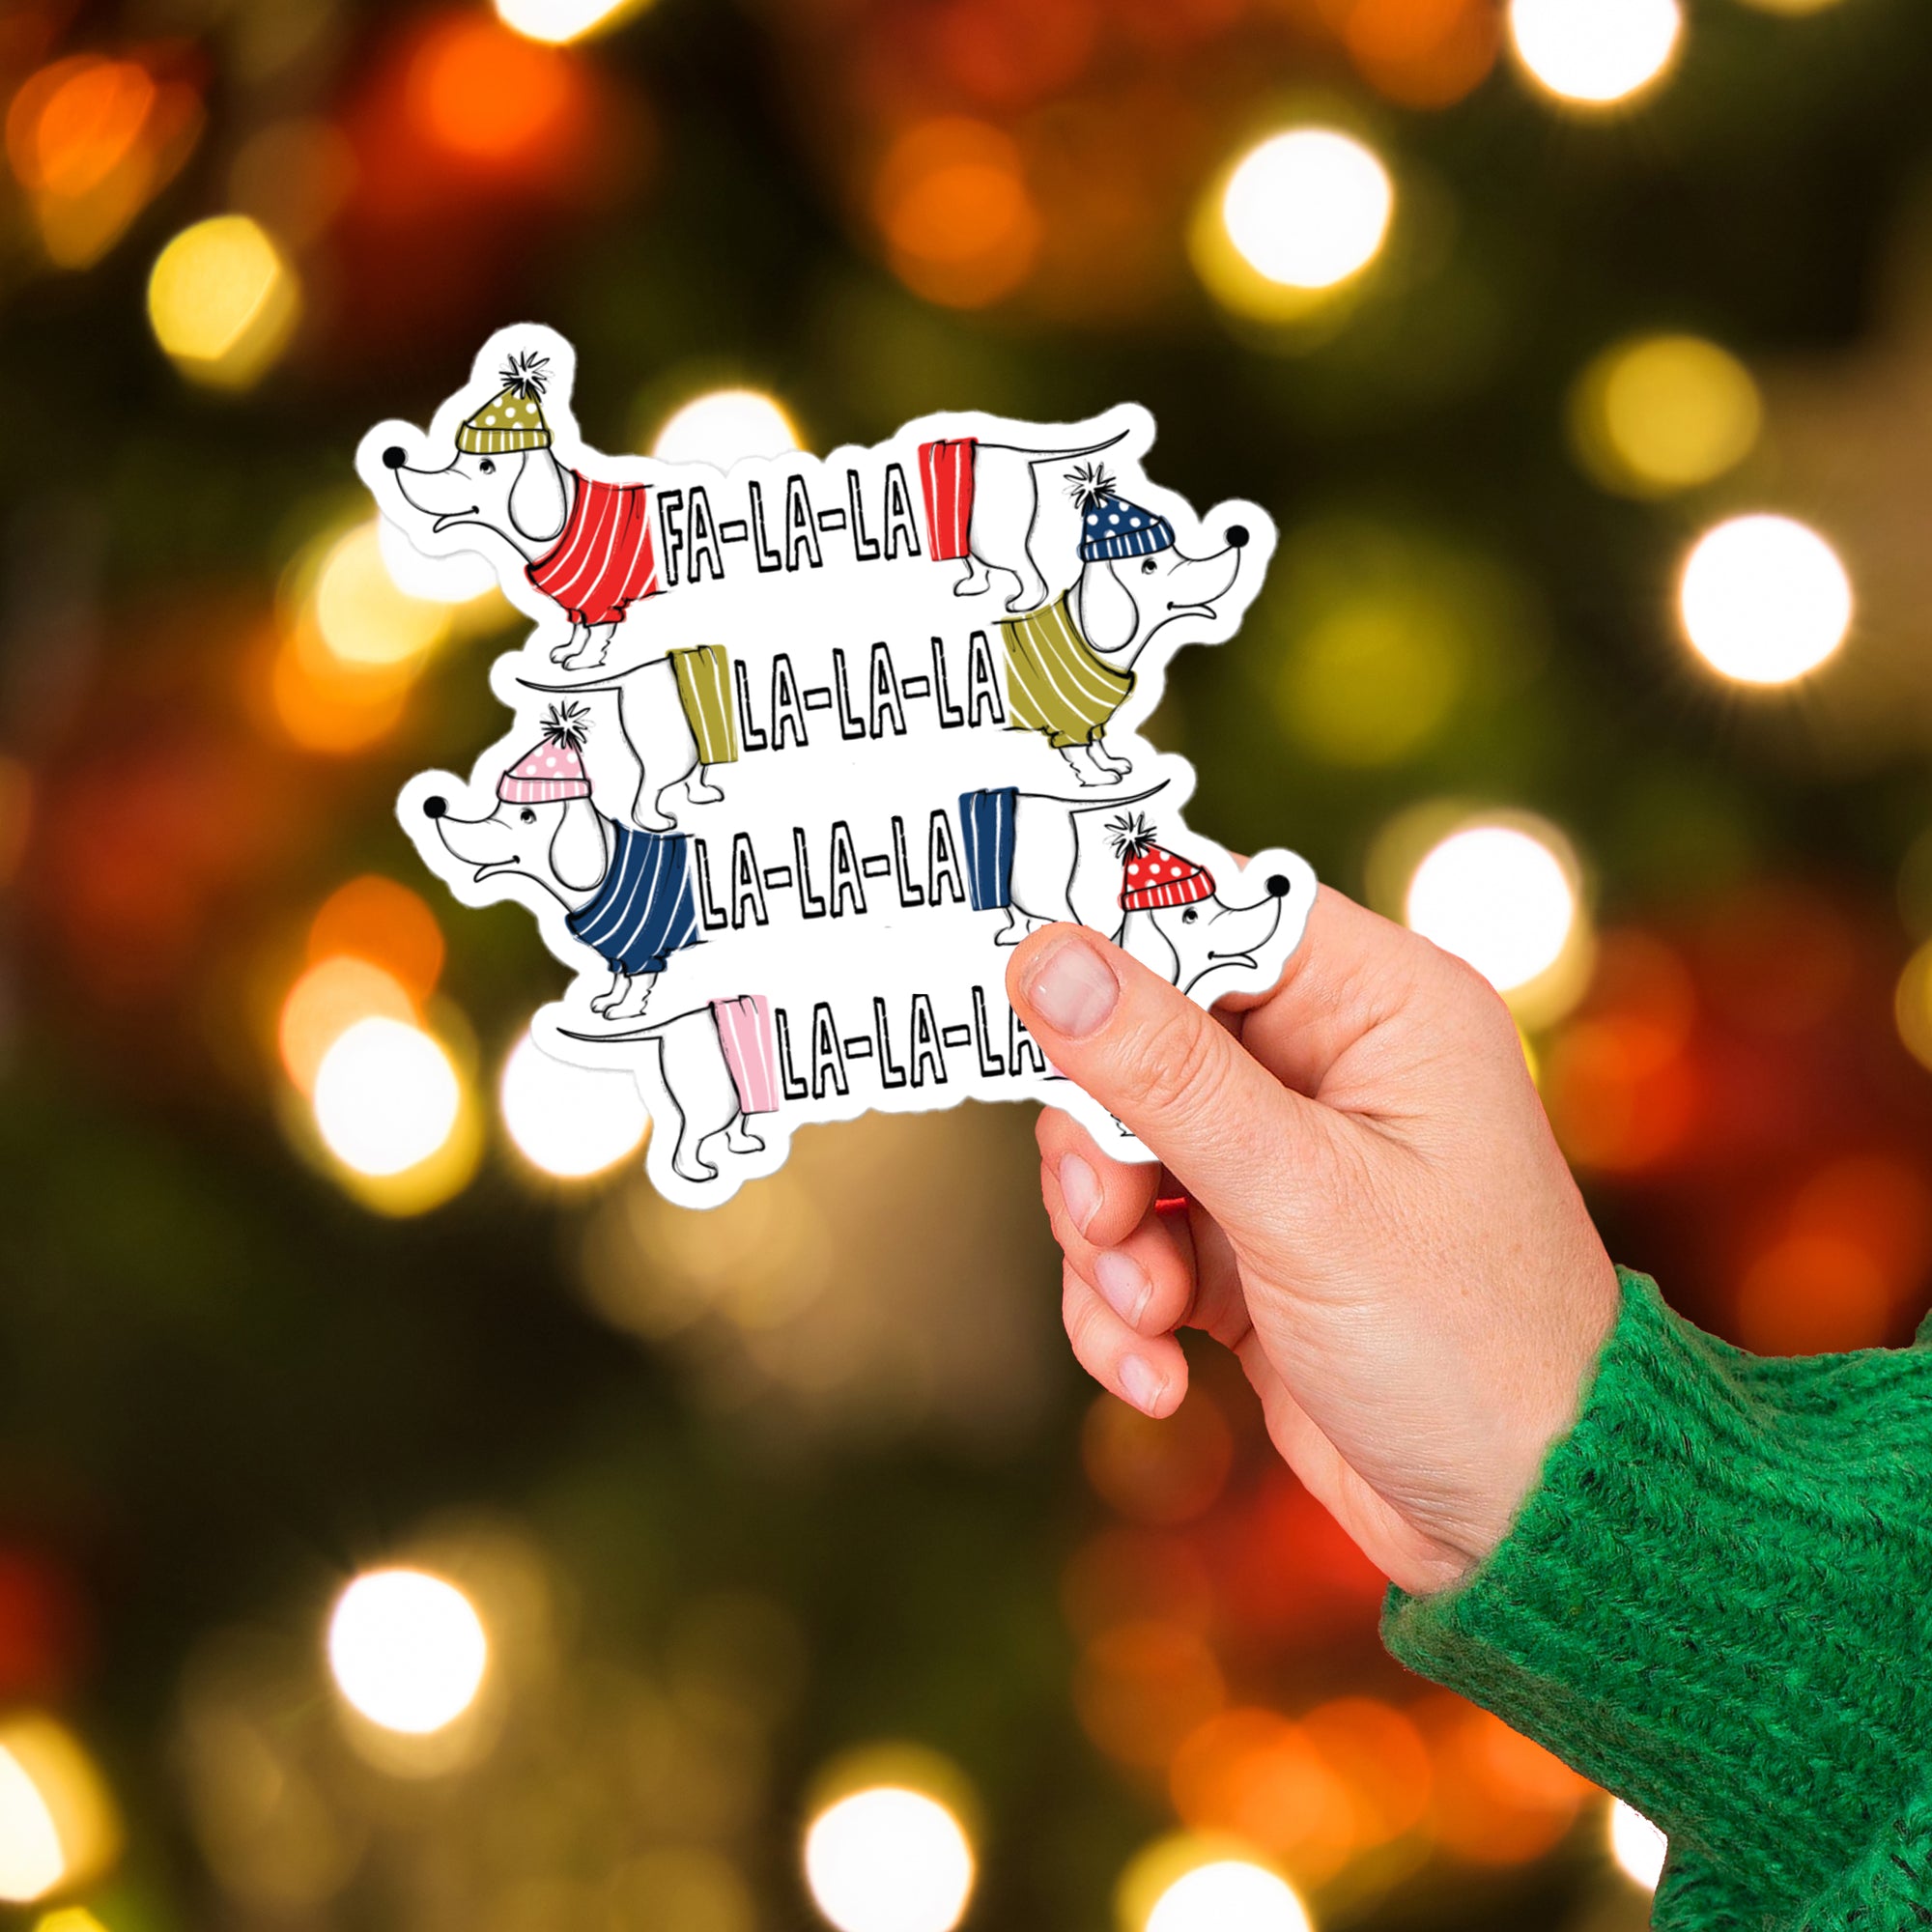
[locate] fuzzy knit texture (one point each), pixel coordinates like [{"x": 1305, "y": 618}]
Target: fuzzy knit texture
[{"x": 1715, "y": 1603}]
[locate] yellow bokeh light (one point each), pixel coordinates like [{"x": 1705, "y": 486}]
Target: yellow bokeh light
[
  {"x": 1791, "y": 7},
  {"x": 1594, "y": 53},
  {"x": 68, "y": 1919},
  {"x": 406, "y": 1650},
  {"x": 1912, "y": 1005},
  {"x": 1664, "y": 412},
  {"x": 570, "y": 1122},
  {"x": 332, "y": 996},
  {"x": 1638, "y": 1846},
  {"x": 387, "y": 1096},
  {"x": 1228, "y": 1896},
  {"x": 57, "y": 1824},
  {"x": 1764, "y": 599},
  {"x": 723, "y": 427},
  {"x": 889, "y": 1860},
  {"x": 1502, "y": 895},
  {"x": 1308, "y": 209},
  {"x": 556, "y": 21},
  {"x": 222, "y": 300},
  {"x": 361, "y": 613}
]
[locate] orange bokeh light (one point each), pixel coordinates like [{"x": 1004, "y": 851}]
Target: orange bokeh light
[
  {"x": 328, "y": 705},
  {"x": 1496, "y": 1797},
  {"x": 1011, "y": 52},
  {"x": 488, "y": 95},
  {"x": 1424, "y": 53},
  {"x": 1157, "y": 1472},
  {"x": 952, "y": 201},
  {"x": 1380, "y": 1754},
  {"x": 325, "y": 1002},
  {"x": 1141, "y": 1688},
  {"x": 1254, "y": 1774},
  {"x": 375, "y": 918}
]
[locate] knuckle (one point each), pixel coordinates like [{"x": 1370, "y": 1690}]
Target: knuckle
[{"x": 1175, "y": 1062}]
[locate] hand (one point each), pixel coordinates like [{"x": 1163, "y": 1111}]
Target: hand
[{"x": 1378, "y": 1222}]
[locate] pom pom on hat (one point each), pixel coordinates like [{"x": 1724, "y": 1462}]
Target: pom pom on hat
[
  {"x": 514, "y": 417},
  {"x": 1111, "y": 526},
  {"x": 1151, "y": 876},
  {"x": 552, "y": 767}
]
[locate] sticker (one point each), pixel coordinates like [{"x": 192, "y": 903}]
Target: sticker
[{"x": 799, "y": 752}]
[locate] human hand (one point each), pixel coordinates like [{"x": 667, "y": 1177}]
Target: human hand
[{"x": 1379, "y": 1221}]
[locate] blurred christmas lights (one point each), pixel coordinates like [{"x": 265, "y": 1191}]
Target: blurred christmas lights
[
  {"x": 375, "y": 918},
  {"x": 556, "y": 21},
  {"x": 960, "y": 222},
  {"x": 1664, "y": 412},
  {"x": 223, "y": 302},
  {"x": 1502, "y": 895},
  {"x": 57, "y": 1823},
  {"x": 1638, "y": 1846},
  {"x": 535, "y": 94},
  {"x": 406, "y": 1650},
  {"x": 570, "y": 1122},
  {"x": 362, "y": 615},
  {"x": 725, "y": 426},
  {"x": 387, "y": 1096},
  {"x": 1309, "y": 208},
  {"x": 1764, "y": 599},
  {"x": 1229, "y": 1895},
  {"x": 889, "y": 1860},
  {"x": 333, "y": 995},
  {"x": 1593, "y": 53},
  {"x": 68, "y": 1919}
]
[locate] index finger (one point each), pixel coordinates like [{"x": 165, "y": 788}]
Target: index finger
[{"x": 1105, "y": 1199}]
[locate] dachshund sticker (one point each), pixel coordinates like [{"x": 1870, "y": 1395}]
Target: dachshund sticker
[{"x": 795, "y": 749}]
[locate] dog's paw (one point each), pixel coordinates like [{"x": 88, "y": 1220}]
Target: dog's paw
[
  {"x": 704, "y": 794},
  {"x": 590, "y": 657}
]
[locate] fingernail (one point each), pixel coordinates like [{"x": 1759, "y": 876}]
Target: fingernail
[
  {"x": 1123, "y": 1283},
  {"x": 1072, "y": 990},
  {"x": 1142, "y": 1386},
  {"x": 1079, "y": 1189}
]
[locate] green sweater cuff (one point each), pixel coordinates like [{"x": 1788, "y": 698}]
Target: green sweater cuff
[{"x": 1715, "y": 1604}]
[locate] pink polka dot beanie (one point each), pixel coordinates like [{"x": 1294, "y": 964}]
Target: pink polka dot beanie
[
  {"x": 1153, "y": 876},
  {"x": 552, "y": 767},
  {"x": 513, "y": 419}
]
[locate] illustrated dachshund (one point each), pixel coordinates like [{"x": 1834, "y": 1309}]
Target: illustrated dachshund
[
  {"x": 1175, "y": 924},
  {"x": 720, "y": 1069},
  {"x": 629, "y": 894},
  {"x": 1071, "y": 666}
]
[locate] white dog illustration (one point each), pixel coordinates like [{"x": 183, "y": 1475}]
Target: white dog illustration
[
  {"x": 1175, "y": 922},
  {"x": 720, "y": 1069},
  {"x": 628, "y": 894},
  {"x": 1070, "y": 667},
  {"x": 585, "y": 543},
  {"x": 1023, "y": 855}
]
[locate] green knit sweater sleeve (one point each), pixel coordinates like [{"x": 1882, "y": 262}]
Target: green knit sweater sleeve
[{"x": 1715, "y": 1603}]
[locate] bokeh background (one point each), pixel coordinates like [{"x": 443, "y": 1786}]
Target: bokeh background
[{"x": 1583, "y": 350}]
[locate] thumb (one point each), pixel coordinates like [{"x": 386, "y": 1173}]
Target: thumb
[{"x": 1165, "y": 1067}]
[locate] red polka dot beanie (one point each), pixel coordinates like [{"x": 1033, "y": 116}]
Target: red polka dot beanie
[
  {"x": 1153, "y": 876},
  {"x": 514, "y": 419},
  {"x": 1111, "y": 526},
  {"x": 552, "y": 767}
]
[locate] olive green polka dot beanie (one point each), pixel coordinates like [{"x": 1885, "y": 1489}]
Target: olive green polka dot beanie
[{"x": 513, "y": 419}]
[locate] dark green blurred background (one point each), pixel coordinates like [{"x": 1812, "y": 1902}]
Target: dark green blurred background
[{"x": 737, "y": 1494}]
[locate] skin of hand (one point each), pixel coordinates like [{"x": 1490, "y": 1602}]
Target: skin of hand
[{"x": 1377, "y": 1221}]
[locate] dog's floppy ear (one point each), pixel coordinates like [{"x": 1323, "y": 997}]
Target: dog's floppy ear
[
  {"x": 536, "y": 497},
  {"x": 577, "y": 854},
  {"x": 1140, "y": 938},
  {"x": 1109, "y": 616}
]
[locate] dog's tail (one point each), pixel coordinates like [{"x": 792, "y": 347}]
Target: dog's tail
[
  {"x": 654, "y": 1030},
  {"x": 1057, "y": 455},
  {"x": 1109, "y": 803},
  {"x": 612, "y": 683}
]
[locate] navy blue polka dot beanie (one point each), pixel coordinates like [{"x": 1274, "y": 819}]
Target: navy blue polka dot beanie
[{"x": 1111, "y": 526}]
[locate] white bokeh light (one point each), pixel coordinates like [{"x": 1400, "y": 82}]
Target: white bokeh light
[
  {"x": 1308, "y": 207},
  {"x": 725, "y": 426},
  {"x": 570, "y": 1122},
  {"x": 889, "y": 1860},
  {"x": 1228, "y": 1896},
  {"x": 406, "y": 1650},
  {"x": 387, "y": 1096},
  {"x": 30, "y": 1859},
  {"x": 1638, "y": 1847},
  {"x": 556, "y": 21},
  {"x": 1764, "y": 599},
  {"x": 1595, "y": 52},
  {"x": 1497, "y": 896}
]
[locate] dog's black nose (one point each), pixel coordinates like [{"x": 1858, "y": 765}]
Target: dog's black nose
[
  {"x": 1237, "y": 535},
  {"x": 395, "y": 456},
  {"x": 435, "y": 808},
  {"x": 1278, "y": 887}
]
